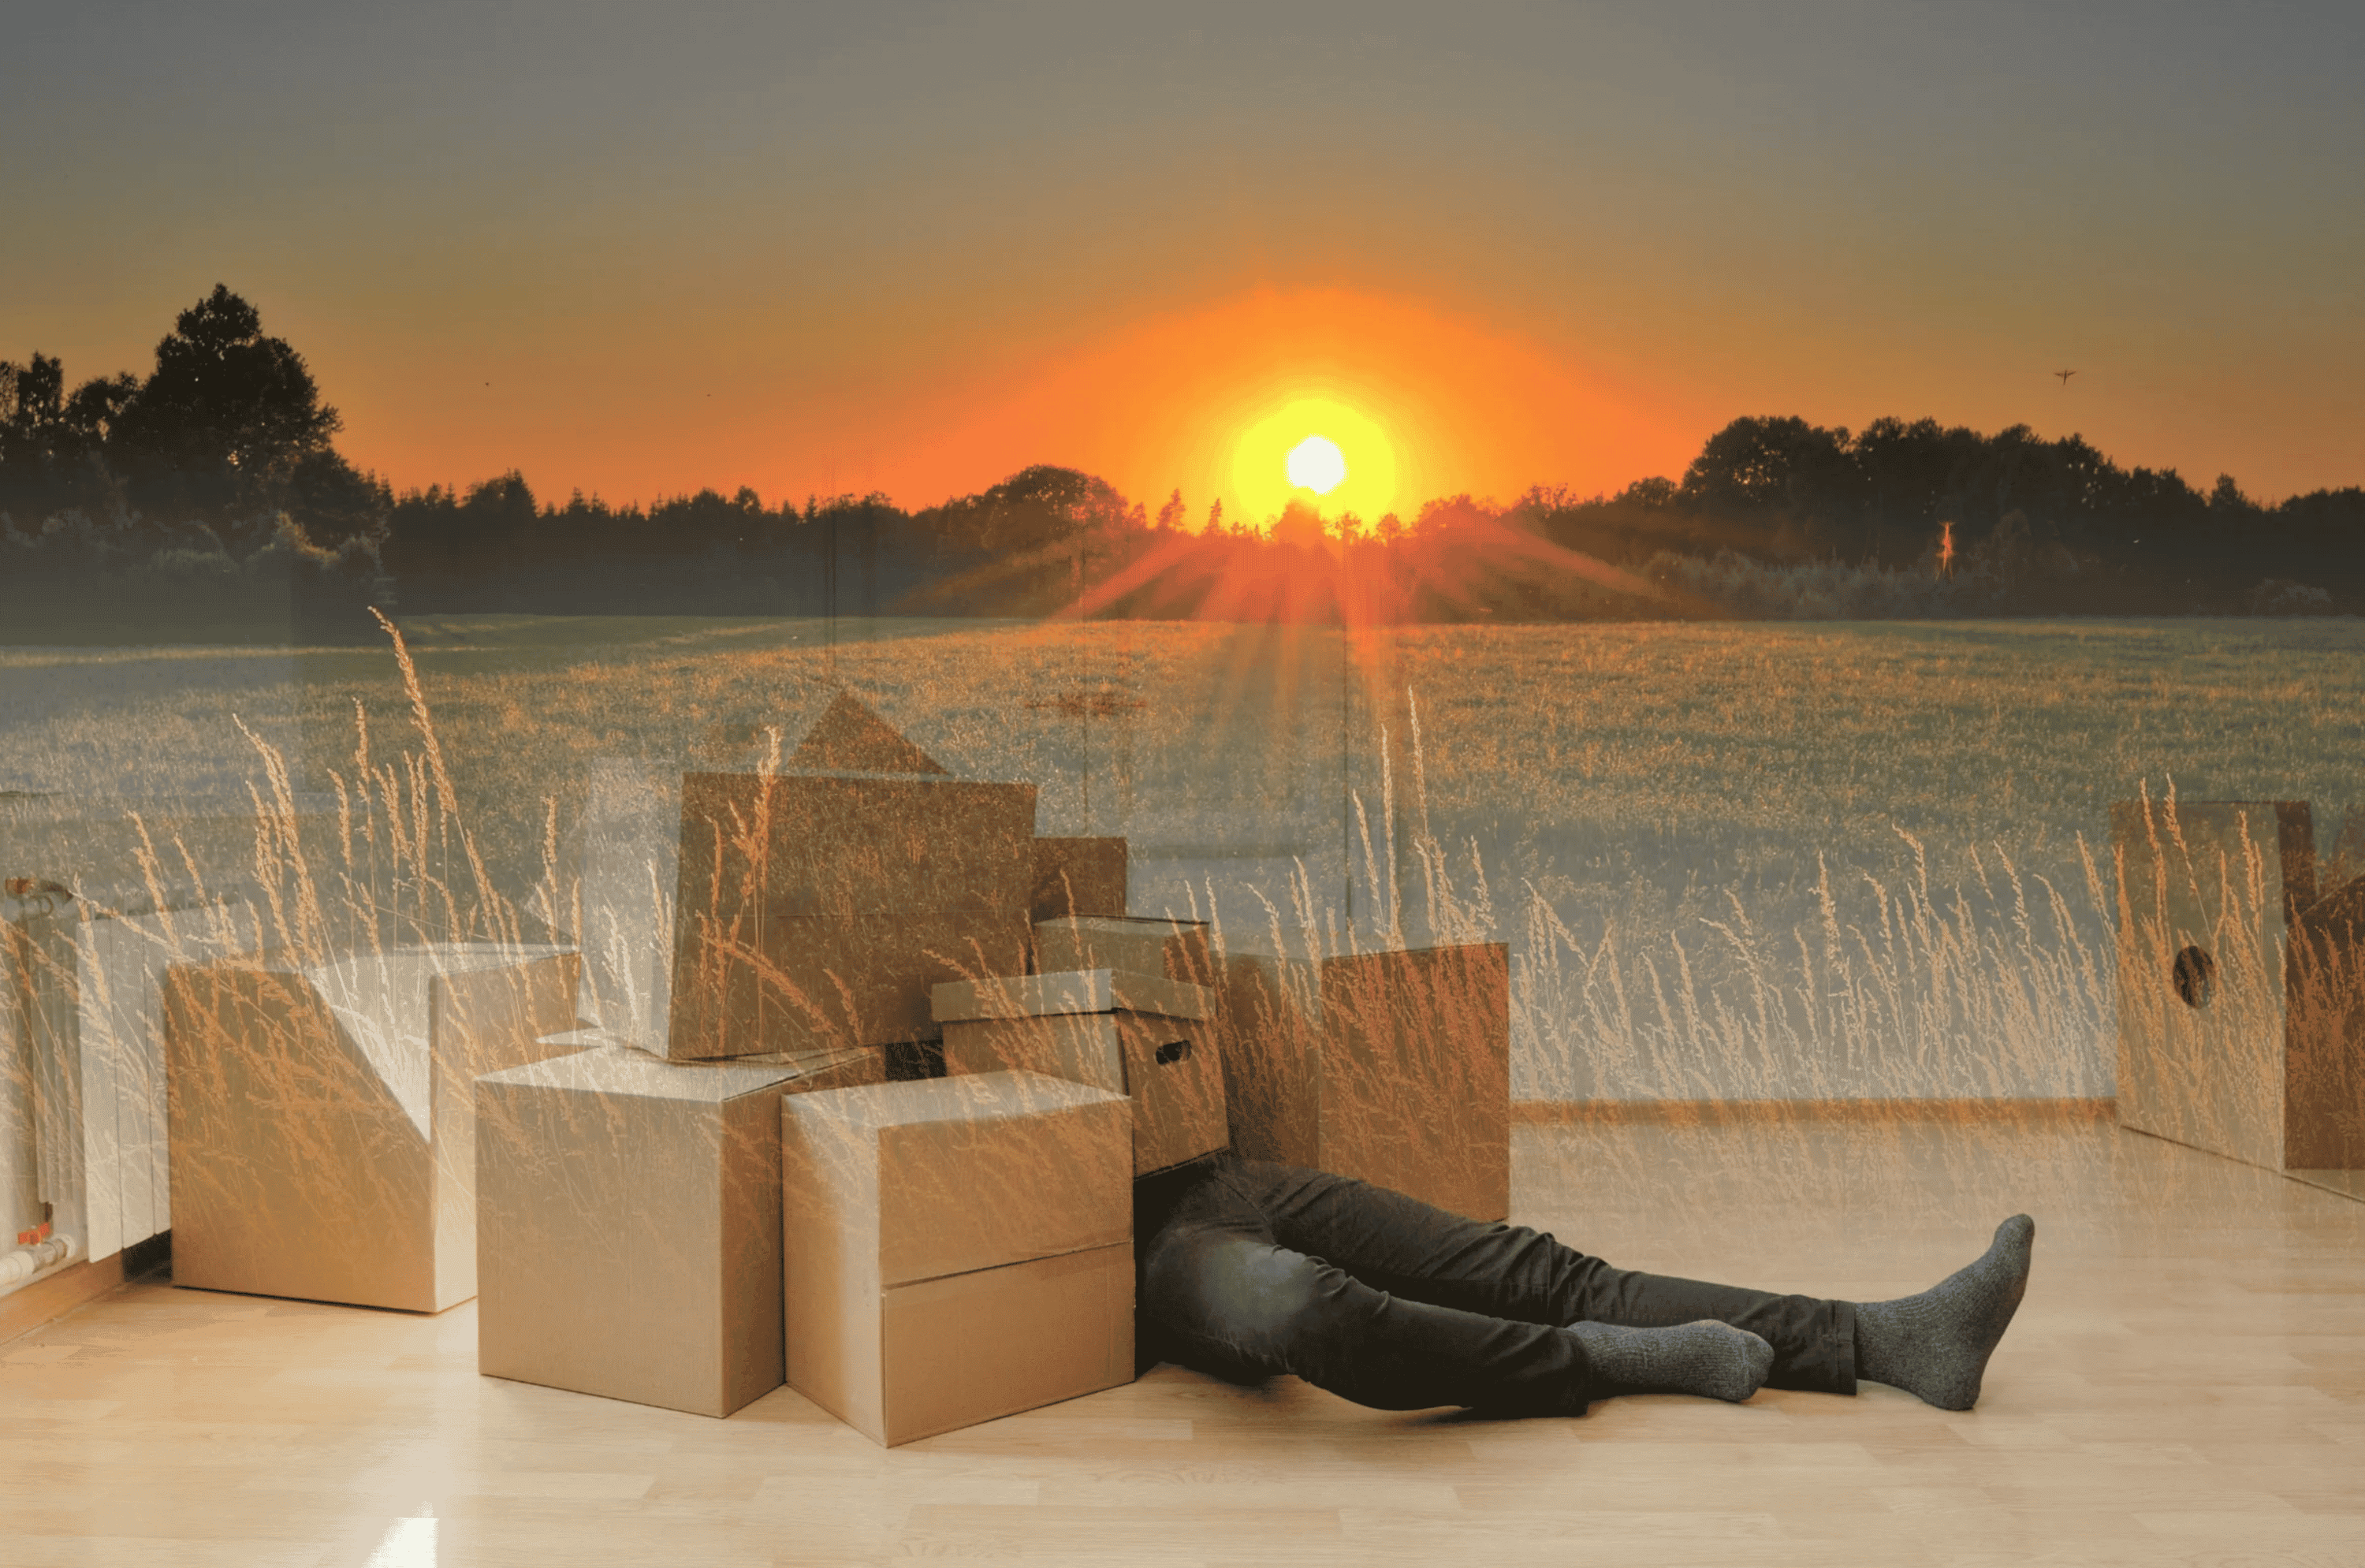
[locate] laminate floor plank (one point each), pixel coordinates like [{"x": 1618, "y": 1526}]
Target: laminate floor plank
[{"x": 2185, "y": 1385}]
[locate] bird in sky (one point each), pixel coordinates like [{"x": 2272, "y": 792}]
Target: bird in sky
[{"x": 2064, "y": 375}]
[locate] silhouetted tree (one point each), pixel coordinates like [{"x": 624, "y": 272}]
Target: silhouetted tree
[{"x": 224, "y": 398}]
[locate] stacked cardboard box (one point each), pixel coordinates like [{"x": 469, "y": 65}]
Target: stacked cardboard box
[
  {"x": 628, "y": 1228},
  {"x": 1146, "y": 1038},
  {"x": 1078, "y": 876},
  {"x": 956, "y": 1249},
  {"x": 322, "y": 1123},
  {"x": 1391, "y": 1067},
  {"x": 1142, "y": 944}
]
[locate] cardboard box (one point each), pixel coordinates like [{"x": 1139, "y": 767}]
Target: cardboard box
[
  {"x": 628, "y": 1228},
  {"x": 818, "y": 910},
  {"x": 956, "y": 1249},
  {"x": 1078, "y": 876},
  {"x": 1142, "y": 944},
  {"x": 1150, "y": 1038},
  {"x": 321, "y": 1122},
  {"x": 1392, "y": 1068},
  {"x": 2241, "y": 984}
]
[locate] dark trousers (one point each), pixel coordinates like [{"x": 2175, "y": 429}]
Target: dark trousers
[{"x": 1249, "y": 1269}]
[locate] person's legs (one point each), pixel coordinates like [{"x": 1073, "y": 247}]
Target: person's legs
[
  {"x": 1419, "y": 1253},
  {"x": 1224, "y": 1294}
]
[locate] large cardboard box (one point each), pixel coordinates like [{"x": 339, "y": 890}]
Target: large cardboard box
[
  {"x": 321, "y": 1121},
  {"x": 817, "y": 910},
  {"x": 956, "y": 1249},
  {"x": 628, "y": 1226},
  {"x": 1142, "y": 944},
  {"x": 2241, "y": 984},
  {"x": 732, "y": 913},
  {"x": 1145, "y": 1037},
  {"x": 1392, "y": 1068}
]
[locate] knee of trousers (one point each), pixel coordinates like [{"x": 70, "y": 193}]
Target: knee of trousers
[{"x": 1264, "y": 1305}]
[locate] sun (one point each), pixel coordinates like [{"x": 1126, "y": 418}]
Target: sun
[
  {"x": 1313, "y": 448},
  {"x": 1317, "y": 464}
]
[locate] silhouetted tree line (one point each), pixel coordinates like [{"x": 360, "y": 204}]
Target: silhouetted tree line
[
  {"x": 2032, "y": 525},
  {"x": 209, "y": 495}
]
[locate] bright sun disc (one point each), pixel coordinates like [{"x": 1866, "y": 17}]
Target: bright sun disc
[
  {"x": 1350, "y": 468},
  {"x": 1317, "y": 464}
]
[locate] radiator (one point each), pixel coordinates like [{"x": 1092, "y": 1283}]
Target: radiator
[{"x": 83, "y": 1170}]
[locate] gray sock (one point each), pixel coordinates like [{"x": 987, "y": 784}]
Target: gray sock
[
  {"x": 1708, "y": 1357},
  {"x": 1936, "y": 1344}
]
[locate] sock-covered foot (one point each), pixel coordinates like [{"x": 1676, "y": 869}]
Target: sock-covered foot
[
  {"x": 1705, "y": 1357},
  {"x": 1936, "y": 1344}
]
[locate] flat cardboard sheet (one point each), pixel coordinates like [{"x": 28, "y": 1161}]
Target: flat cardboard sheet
[
  {"x": 817, "y": 910},
  {"x": 631, "y": 869}
]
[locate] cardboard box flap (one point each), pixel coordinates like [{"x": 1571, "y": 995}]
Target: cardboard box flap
[
  {"x": 1072, "y": 991},
  {"x": 620, "y": 1070},
  {"x": 383, "y": 1003}
]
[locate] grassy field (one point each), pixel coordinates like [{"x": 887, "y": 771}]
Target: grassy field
[{"x": 1732, "y": 862}]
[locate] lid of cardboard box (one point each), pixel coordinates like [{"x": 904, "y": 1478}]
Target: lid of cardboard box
[
  {"x": 1074, "y": 991},
  {"x": 1120, "y": 924},
  {"x": 821, "y": 1058},
  {"x": 620, "y": 1070},
  {"x": 798, "y": 1064},
  {"x": 969, "y": 1097}
]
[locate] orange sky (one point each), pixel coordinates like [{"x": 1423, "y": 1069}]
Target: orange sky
[
  {"x": 914, "y": 249},
  {"x": 1161, "y": 405}
]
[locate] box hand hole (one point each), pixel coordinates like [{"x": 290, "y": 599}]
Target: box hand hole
[
  {"x": 2194, "y": 974},
  {"x": 1173, "y": 1051}
]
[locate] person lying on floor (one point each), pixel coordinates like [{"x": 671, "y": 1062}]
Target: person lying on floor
[{"x": 1247, "y": 1271}]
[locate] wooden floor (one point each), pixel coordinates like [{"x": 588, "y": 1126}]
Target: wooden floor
[{"x": 2185, "y": 1385}]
